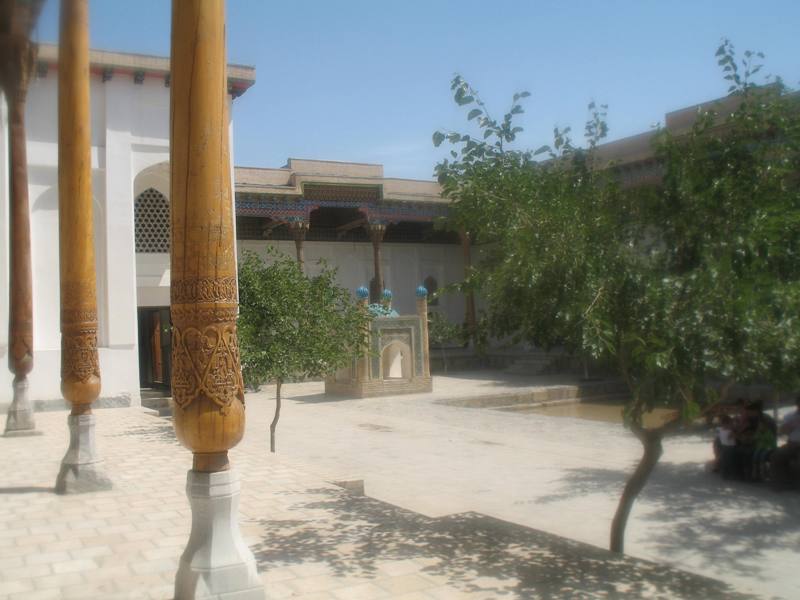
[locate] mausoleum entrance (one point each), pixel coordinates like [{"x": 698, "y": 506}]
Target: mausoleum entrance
[{"x": 155, "y": 341}]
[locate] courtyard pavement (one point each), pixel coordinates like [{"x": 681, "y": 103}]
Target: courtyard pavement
[
  {"x": 448, "y": 489},
  {"x": 555, "y": 474}
]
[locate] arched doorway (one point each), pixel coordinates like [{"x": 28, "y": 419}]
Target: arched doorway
[{"x": 152, "y": 233}]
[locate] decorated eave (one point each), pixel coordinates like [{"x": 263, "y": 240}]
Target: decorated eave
[
  {"x": 294, "y": 191},
  {"x": 139, "y": 67},
  {"x": 287, "y": 209}
]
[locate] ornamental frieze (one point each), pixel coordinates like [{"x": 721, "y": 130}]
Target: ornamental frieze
[
  {"x": 189, "y": 313},
  {"x": 283, "y": 209},
  {"x": 78, "y": 316},
  {"x": 206, "y": 289}
]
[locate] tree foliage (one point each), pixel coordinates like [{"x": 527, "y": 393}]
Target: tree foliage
[
  {"x": 680, "y": 284},
  {"x": 294, "y": 326}
]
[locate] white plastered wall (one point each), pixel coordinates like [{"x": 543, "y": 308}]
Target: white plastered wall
[
  {"x": 405, "y": 266},
  {"x": 123, "y": 139},
  {"x": 152, "y": 171}
]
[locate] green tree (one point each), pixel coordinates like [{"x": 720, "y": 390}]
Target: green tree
[
  {"x": 442, "y": 332},
  {"x": 680, "y": 284},
  {"x": 294, "y": 326}
]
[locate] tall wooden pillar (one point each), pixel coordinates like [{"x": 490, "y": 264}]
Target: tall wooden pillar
[
  {"x": 16, "y": 21},
  {"x": 469, "y": 312},
  {"x": 422, "y": 312},
  {"x": 299, "y": 230},
  {"x": 207, "y": 385},
  {"x": 80, "y": 369},
  {"x": 376, "y": 232}
]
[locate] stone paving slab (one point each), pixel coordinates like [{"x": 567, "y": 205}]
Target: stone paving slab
[{"x": 311, "y": 539}]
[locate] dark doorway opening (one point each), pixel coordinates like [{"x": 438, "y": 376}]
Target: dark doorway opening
[{"x": 155, "y": 348}]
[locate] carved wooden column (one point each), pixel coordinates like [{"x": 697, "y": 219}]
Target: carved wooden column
[
  {"x": 422, "y": 312},
  {"x": 376, "y": 232},
  {"x": 469, "y": 312},
  {"x": 299, "y": 229},
  {"x": 80, "y": 369},
  {"x": 16, "y": 21},
  {"x": 207, "y": 385}
]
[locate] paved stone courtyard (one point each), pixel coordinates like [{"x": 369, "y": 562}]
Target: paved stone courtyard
[{"x": 445, "y": 486}]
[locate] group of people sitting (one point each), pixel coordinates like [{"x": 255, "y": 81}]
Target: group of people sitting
[{"x": 746, "y": 445}]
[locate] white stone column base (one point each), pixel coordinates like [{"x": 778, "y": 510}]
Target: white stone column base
[
  {"x": 81, "y": 468},
  {"x": 20, "y": 419},
  {"x": 216, "y": 563}
]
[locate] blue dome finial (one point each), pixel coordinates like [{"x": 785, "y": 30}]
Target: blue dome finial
[
  {"x": 422, "y": 291},
  {"x": 362, "y": 293},
  {"x": 387, "y": 294}
]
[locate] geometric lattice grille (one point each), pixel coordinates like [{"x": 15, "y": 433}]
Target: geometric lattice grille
[{"x": 152, "y": 222}]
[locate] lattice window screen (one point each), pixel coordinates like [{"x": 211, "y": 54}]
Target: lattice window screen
[{"x": 152, "y": 219}]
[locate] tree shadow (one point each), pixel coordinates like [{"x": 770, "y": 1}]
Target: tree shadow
[
  {"x": 493, "y": 378},
  {"x": 354, "y": 535},
  {"x": 160, "y": 431},
  {"x": 728, "y": 525},
  {"x": 27, "y": 490},
  {"x": 320, "y": 398}
]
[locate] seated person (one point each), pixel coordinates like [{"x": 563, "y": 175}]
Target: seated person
[
  {"x": 790, "y": 451},
  {"x": 745, "y": 434},
  {"x": 766, "y": 439},
  {"x": 726, "y": 442}
]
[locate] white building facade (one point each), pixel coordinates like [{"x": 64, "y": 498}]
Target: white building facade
[{"x": 130, "y": 178}]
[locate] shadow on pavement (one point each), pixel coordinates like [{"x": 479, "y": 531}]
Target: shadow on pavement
[
  {"x": 161, "y": 430},
  {"x": 353, "y": 535},
  {"x": 27, "y": 490},
  {"x": 318, "y": 398},
  {"x": 725, "y": 524}
]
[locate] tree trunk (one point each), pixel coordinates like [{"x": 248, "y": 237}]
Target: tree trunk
[
  {"x": 277, "y": 416},
  {"x": 651, "y": 440}
]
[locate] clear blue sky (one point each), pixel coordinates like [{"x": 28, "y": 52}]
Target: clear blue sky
[{"x": 368, "y": 81}]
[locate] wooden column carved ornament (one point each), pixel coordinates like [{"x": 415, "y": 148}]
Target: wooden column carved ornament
[
  {"x": 80, "y": 369},
  {"x": 207, "y": 385}
]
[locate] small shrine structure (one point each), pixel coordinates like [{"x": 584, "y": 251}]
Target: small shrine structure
[{"x": 395, "y": 358}]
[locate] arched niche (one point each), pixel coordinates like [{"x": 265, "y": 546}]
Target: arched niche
[{"x": 396, "y": 361}]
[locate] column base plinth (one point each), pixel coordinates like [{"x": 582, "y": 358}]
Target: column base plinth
[
  {"x": 81, "y": 468},
  {"x": 216, "y": 563},
  {"x": 20, "y": 420}
]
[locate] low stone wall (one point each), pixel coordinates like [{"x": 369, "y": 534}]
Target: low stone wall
[{"x": 378, "y": 387}]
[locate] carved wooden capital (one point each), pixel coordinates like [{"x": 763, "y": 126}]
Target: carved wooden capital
[
  {"x": 376, "y": 232},
  {"x": 298, "y": 229}
]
